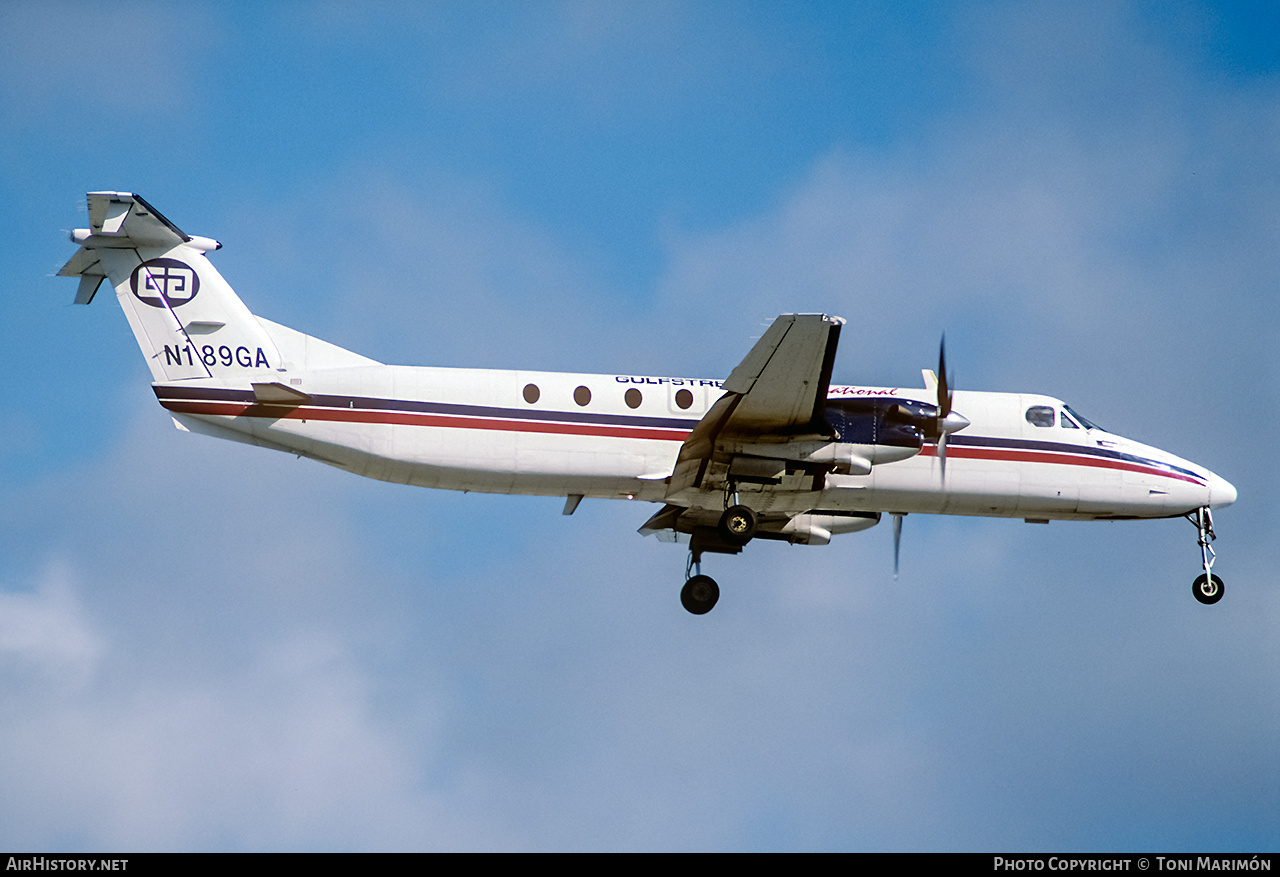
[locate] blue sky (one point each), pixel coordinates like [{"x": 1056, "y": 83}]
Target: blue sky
[{"x": 209, "y": 646}]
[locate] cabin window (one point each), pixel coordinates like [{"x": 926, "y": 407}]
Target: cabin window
[
  {"x": 1040, "y": 415},
  {"x": 531, "y": 393},
  {"x": 684, "y": 398},
  {"x": 633, "y": 398},
  {"x": 582, "y": 396},
  {"x": 1066, "y": 421}
]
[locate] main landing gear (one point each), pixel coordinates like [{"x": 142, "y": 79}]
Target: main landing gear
[
  {"x": 699, "y": 594},
  {"x": 736, "y": 528},
  {"x": 1207, "y": 587},
  {"x": 737, "y": 525}
]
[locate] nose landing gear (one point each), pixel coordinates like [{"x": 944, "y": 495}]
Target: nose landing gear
[{"x": 1207, "y": 587}]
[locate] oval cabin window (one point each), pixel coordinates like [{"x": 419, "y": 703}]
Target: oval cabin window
[
  {"x": 633, "y": 398},
  {"x": 531, "y": 393},
  {"x": 582, "y": 395},
  {"x": 684, "y": 398}
]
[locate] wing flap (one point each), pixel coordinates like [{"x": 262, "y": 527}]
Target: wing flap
[
  {"x": 665, "y": 519},
  {"x": 699, "y": 445}
]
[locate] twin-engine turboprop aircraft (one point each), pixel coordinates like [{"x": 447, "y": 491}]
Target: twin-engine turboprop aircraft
[{"x": 771, "y": 452}]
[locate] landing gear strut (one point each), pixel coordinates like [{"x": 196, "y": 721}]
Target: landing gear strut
[
  {"x": 700, "y": 593},
  {"x": 1207, "y": 587}
]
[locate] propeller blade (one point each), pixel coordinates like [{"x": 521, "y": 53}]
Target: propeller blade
[
  {"x": 897, "y": 542},
  {"x": 944, "y": 405},
  {"x": 944, "y": 391}
]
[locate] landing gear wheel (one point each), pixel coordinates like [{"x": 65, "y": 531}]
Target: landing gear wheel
[
  {"x": 699, "y": 594},
  {"x": 738, "y": 525},
  {"x": 1207, "y": 588}
]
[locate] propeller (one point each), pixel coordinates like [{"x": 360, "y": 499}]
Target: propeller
[
  {"x": 943, "y": 424},
  {"x": 944, "y": 404},
  {"x": 948, "y": 421}
]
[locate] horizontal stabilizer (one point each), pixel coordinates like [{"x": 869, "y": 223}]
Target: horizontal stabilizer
[
  {"x": 130, "y": 218},
  {"x": 85, "y": 263}
]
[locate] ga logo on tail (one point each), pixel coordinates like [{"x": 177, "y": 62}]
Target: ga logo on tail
[{"x": 172, "y": 283}]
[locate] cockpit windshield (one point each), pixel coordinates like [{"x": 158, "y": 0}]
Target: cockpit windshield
[{"x": 1083, "y": 421}]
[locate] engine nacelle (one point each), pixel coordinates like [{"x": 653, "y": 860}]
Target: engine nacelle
[
  {"x": 817, "y": 528},
  {"x": 852, "y": 459},
  {"x": 861, "y": 433},
  {"x": 765, "y": 460}
]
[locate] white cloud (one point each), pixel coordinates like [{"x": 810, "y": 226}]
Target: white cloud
[{"x": 48, "y": 630}]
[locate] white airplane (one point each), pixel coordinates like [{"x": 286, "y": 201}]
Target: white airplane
[{"x": 771, "y": 452}]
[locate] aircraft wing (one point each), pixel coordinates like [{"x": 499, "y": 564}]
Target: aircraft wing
[
  {"x": 777, "y": 395},
  {"x": 782, "y": 383}
]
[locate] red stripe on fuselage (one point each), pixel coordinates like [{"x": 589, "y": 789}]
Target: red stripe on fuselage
[
  {"x": 1019, "y": 456},
  {"x": 402, "y": 418}
]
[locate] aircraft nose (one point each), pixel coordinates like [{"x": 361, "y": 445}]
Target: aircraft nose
[{"x": 1221, "y": 491}]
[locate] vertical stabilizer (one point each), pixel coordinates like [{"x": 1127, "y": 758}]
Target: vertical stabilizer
[{"x": 186, "y": 318}]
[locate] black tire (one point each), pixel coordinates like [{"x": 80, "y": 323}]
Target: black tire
[
  {"x": 699, "y": 594},
  {"x": 738, "y": 525},
  {"x": 1208, "y": 589}
]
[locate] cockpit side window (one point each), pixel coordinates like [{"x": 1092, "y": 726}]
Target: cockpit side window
[
  {"x": 1080, "y": 420},
  {"x": 1040, "y": 415},
  {"x": 1067, "y": 422}
]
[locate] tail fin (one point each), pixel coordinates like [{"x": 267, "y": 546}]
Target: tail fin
[{"x": 186, "y": 318}]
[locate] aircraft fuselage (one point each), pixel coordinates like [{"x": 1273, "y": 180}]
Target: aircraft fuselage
[{"x": 617, "y": 437}]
